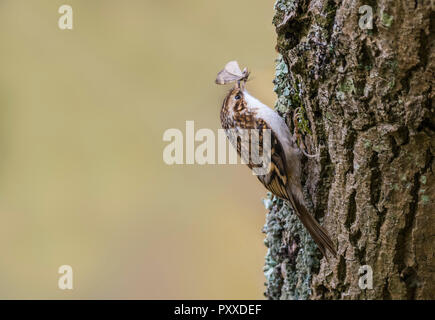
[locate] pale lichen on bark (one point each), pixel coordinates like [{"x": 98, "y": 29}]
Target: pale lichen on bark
[{"x": 367, "y": 99}]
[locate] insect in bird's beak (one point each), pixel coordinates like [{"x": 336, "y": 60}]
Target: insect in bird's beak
[{"x": 232, "y": 73}]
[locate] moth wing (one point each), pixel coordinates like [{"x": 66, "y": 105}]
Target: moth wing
[
  {"x": 233, "y": 68},
  {"x": 225, "y": 77},
  {"x": 230, "y": 73}
]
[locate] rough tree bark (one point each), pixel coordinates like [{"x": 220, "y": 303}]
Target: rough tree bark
[{"x": 365, "y": 101}]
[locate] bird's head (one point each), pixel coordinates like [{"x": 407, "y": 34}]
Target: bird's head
[{"x": 235, "y": 99}]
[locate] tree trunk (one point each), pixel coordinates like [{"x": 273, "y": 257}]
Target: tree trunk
[{"x": 364, "y": 100}]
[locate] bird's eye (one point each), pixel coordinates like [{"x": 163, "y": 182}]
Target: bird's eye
[{"x": 237, "y": 97}]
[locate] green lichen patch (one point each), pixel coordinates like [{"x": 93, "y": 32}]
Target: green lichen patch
[
  {"x": 386, "y": 19},
  {"x": 367, "y": 144},
  {"x": 282, "y": 86},
  {"x": 288, "y": 274},
  {"x": 423, "y": 179},
  {"x": 425, "y": 199},
  {"x": 348, "y": 86},
  {"x": 289, "y": 96},
  {"x": 285, "y": 6}
]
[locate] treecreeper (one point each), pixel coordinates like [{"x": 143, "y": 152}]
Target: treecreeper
[{"x": 240, "y": 111}]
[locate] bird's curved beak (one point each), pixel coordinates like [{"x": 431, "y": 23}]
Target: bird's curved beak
[{"x": 241, "y": 84}]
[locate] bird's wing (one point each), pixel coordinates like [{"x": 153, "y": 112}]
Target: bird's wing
[{"x": 275, "y": 180}]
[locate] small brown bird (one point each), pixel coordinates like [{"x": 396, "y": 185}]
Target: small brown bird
[{"x": 240, "y": 110}]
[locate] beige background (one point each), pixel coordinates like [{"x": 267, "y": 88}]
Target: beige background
[{"x": 82, "y": 181}]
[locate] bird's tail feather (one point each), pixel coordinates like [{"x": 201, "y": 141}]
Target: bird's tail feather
[{"x": 317, "y": 232}]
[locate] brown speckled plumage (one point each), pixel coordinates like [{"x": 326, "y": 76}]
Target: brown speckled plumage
[{"x": 242, "y": 111}]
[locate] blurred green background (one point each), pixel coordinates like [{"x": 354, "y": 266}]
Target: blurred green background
[{"x": 82, "y": 180}]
